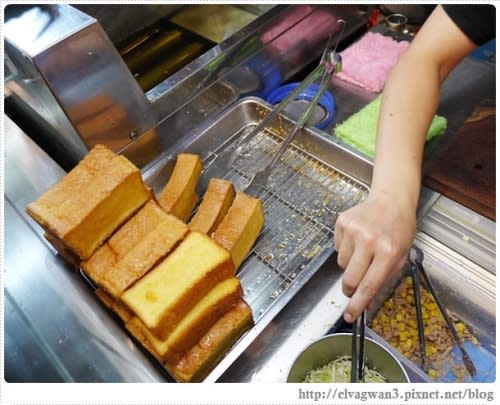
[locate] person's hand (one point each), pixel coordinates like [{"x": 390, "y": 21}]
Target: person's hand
[{"x": 372, "y": 240}]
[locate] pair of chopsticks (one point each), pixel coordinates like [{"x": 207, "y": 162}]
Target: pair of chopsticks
[{"x": 358, "y": 349}]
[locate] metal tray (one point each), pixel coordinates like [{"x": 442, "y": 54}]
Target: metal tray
[{"x": 305, "y": 194}]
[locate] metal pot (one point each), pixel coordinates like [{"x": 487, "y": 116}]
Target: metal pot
[{"x": 331, "y": 347}]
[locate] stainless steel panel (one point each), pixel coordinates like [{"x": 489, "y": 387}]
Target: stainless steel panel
[
  {"x": 96, "y": 89},
  {"x": 188, "y": 119},
  {"x": 463, "y": 230},
  {"x": 69, "y": 72}
]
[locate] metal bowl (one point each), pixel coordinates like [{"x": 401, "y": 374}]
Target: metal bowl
[{"x": 331, "y": 347}]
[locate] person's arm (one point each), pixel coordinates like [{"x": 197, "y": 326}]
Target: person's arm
[{"x": 374, "y": 237}]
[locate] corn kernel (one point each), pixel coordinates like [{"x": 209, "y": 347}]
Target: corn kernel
[{"x": 430, "y": 350}]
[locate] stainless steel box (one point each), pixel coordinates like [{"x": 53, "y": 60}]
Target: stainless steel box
[{"x": 63, "y": 65}]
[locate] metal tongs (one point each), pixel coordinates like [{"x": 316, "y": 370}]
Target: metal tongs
[
  {"x": 416, "y": 259},
  {"x": 330, "y": 63},
  {"x": 358, "y": 349}
]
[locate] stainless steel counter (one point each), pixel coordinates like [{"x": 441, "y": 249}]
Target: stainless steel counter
[{"x": 68, "y": 336}]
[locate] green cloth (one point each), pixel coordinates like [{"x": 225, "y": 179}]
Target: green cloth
[{"x": 360, "y": 129}]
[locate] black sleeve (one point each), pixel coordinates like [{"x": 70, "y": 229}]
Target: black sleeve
[{"x": 477, "y": 21}]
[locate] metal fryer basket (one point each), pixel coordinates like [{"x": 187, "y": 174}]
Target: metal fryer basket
[{"x": 304, "y": 195}]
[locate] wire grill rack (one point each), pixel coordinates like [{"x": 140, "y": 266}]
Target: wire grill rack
[{"x": 302, "y": 201}]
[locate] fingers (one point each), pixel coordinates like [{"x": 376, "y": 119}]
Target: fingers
[
  {"x": 344, "y": 242},
  {"x": 354, "y": 247},
  {"x": 366, "y": 290},
  {"x": 356, "y": 267},
  {"x": 380, "y": 270},
  {"x": 372, "y": 240},
  {"x": 339, "y": 232},
  {"x": 345, "y": 252}
]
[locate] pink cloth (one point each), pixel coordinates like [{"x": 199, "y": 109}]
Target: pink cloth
[{"x": 368, "y": 62}]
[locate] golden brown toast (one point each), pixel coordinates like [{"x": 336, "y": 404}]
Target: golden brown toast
[
  {"x": 196, "y": 323},
  {"x": 168, "y": 292},
  {"x": 204, "y": 355},
  {"x": 240, "y": 227},
  {"x": 137, "y": 330},
  {"x": 134, "y": 249},
  {"x": 90, "y": 202},
  {"x": 214, "y": 206},
  {"x": 179, "y": 197},
  {"x": 99, "y": 263},
  {"x": 62, "y": 249},
  {"x": 116, "y": 306},
  {"x": 144, "y": 256}
]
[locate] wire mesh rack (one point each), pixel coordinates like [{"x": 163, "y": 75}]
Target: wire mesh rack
[{"x": 302, "y": 201}]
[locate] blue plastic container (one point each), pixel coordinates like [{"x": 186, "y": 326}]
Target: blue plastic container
[{"x": 326, "y": 101}]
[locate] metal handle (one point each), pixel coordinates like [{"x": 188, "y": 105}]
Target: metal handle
[
  {"x": 358, "y": 349},
  {"x": 420, "y": 318},
  {"x": 300, "y": 123},
  {"x": 329, "y": 64}
]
